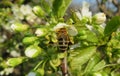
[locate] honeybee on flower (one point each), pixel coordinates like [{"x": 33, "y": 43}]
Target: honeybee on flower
[{"x": 71, "y": 30}]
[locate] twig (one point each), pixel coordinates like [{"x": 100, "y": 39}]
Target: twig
[
  {"x": 117, "y": 5},
  {"x": 64, "y": 67},
  {"x": 115, "y": 2},
  {"x": 103, "y": 8}
]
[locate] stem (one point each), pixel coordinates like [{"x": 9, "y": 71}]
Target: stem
[
  {"x": 64, "y": 67},
  {"x": 37, "y": 65}
]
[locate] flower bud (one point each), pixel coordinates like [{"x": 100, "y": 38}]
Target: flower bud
[
  {"x": 41, "y": 32},
  {"x": 38, "y": 11},
  {"x": 83, "y": 37},
  {"x": 29, "y": 40},
  {"x": 55, "y": 62},
  {"x": 72, "y": 31},
  {"x": 62, "y": 55},
  {"x": 99, "y": 18},
  {"x": 19, "y": 27},
  {"x": 97, "y": 74},
  {"x": 33, "y": 51},
  {"x": 82, "y": 32},
  {"x": 41, "y": 71},
  {"x": 15, "y": 61},
  {"x": 54, "y": 38}
]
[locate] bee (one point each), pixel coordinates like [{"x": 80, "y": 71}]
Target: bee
[{"x": 63, "y": 39}]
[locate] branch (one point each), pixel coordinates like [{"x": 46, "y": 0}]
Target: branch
[
  {"x": 103, "y": 8},
  {"x": 115, "y": 3}
]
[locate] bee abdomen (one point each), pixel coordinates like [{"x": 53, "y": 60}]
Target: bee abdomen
[{"x": 63, "y": 45}]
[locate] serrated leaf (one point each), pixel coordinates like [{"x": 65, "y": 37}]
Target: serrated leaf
[
  {"x": 60, "y": 7},
  {"x": 92, "y": 62},
  {"x": 84, "y": 55},
  {"x": 112, "y": 25}
]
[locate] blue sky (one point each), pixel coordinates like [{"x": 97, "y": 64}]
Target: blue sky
[
  {"x": 79, "y": 1},
  {"x": 93, "y": 3}
]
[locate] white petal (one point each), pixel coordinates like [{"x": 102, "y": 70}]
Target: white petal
[
  {"x": 30, "y": 52},
  {"x": 85, "y": 10},
  {"x": 78, "y": 15},
  {"x": 89, "y": 27},
  {"x": 72, "y": 31},
  {"x": 59, "y": 25}
]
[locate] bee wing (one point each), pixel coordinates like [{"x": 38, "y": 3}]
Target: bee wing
[
  {"x": 72, "y": 31},
  {"x": 75, "y": 46}
]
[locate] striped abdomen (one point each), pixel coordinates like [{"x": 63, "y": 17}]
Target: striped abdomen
[{"x": 63, "y": 39}]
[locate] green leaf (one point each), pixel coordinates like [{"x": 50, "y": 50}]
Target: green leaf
[
  {"x": 99, "y": 66},
  {"x": 60, "y": 7},
  {"x": 84, "y": 55},
  {"x": 4, "y": 3},
  {"x": 92, "y": 62},
  {"x": 112, "y": 25},
  {"x": 46, "y": 5},
  {"x": 91, "y": 37}
]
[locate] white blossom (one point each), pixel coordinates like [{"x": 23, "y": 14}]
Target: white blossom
[
  {"x": 13, "y": 26},
  {"x": 40, "y": 32},
  {"x": 30, "y": 52},
  {"x": 60, "y": 25},
  {"x": 85, "y": 13},
  {"x": 15, "y": 53},
  {"x": 78, "y": 15},
  {"x": 99, "y": 18},
  {"x": 33, "y": 51},
  {"x": 17, "y": 13},
  {"x": 2, "y": 73},
  {"x": 15, "y": 9},
  {"x": 6, "y": 71},
  {"x": 31, "y": 17},
  {"x": 89, "y": 27},
  {"x": 25, "y": 9},
  {"x": 72, "y": 31},
  {"x": 85, "y": 10}
]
